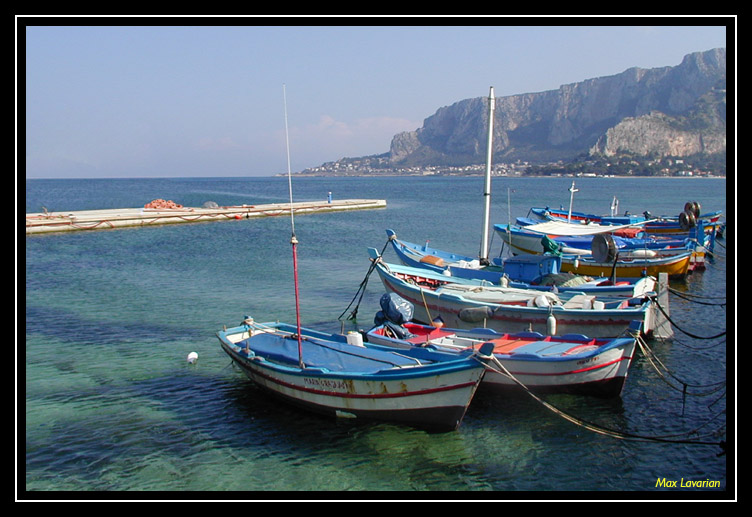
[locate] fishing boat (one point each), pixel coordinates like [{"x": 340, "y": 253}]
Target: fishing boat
[
  {"x": 333, "y": 375},
  {"x": 326, "y": 373},
  {"x": 579, "y": 239},
  {"x": 539, "y": 272},
  {"x": 604, "y": 258},
  {"x": 572, "y": 363},
  {"x": 675, "y": 266},
  {"x": 466, "y": 303},
  {"x": 663, "y": 225}
]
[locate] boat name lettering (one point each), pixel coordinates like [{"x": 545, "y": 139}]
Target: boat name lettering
[
  {"x": 589, "y": 360},
  {"x": 332, "y": 384}
]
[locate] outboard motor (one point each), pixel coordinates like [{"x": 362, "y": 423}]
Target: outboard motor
[{"x": 395, "y": 311}]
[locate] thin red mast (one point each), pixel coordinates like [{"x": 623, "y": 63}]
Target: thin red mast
[{"x": 293, "y": 239}]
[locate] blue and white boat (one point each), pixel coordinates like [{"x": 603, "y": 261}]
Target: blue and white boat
[
  {"x": 337, "y": 375},
  {"x": 578, "y": 238},
  {"x": 538, "y": 272},
  {"x": 542, "y": 364},
  {"x": 663, "y": 225},
  {"x": 467, "y": 303},
  {"x": 603, "y": 257}
]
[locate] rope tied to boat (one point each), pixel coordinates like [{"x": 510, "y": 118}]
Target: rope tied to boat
[
  {"x": 694, "y": 298},
  {"x": 672, "y": 322},
  {"x": 664, "y": 372},
  {"x": 493, "y": 363},
  {"x": 362, "y": 287}
]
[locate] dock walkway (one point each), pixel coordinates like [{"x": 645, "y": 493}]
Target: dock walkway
[{"x": 123, "y": 217}]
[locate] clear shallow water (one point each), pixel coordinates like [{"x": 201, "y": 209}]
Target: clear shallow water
[{"x": 112, "y": 408}]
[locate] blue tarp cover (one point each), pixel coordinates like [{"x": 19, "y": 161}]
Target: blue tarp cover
[
  {"x": 396, "y": 309},
  {"x": 335, "y": 357}
]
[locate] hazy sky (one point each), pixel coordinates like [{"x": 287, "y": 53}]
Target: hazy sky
[{"x": 203, "y": 100}]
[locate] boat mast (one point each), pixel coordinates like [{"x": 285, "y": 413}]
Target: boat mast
[
  {"x": 614, "y": 207},
  {"x": 487, "y": 188},
  {"x": 572, "y": 190},
  {"x": 293, "y": 238}
]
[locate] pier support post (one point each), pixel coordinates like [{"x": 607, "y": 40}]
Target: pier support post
[{"x": 661, "y": 324}]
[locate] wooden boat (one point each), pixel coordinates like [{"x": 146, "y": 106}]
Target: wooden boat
[
  {"x": 543, "y": 364},
  {"x": 578, "y": 237},
  {"x": 539, "y": 272},
  {"x": 663, "y": 225},
  {"x": 603, "y": 259},
  {"x": 465, "y": 303},
  {"x": 676, "y": 266},
  {"x": 329, "y": 375}
]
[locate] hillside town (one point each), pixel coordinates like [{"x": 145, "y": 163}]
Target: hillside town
[{"x": 590, "y": 167}]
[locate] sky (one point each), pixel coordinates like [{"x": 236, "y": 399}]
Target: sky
[{"x": 207, "y": 98}]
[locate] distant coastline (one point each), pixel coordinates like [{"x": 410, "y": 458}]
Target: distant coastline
[
  {"x": 520, "y": 176},
  {"x": 385, "y": 175}
]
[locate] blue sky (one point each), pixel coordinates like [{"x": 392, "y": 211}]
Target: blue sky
[{"x": 203, "y": 100}]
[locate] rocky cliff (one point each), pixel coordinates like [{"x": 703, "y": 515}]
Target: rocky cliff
[{"x": 677, "y": 111}]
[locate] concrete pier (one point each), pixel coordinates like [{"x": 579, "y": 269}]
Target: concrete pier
[{"x": 122, "y": 217}]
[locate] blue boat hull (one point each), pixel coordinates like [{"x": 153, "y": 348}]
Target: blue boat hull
[{"x": 523, "y": 271}]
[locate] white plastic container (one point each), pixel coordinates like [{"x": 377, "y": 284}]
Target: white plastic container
[{"x": 355, "y": 338}]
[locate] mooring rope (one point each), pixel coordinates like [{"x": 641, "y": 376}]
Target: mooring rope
[
  {"x": 671, "y": 438},
  {"x": 668, "y": 318},
  {"x": 660, "y": 367},
  {"x": 694, "y": 298},
  {"x": 362, "y": 287}
]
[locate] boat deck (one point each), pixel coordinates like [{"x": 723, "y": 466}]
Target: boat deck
[{"x": 123, "y": 217}]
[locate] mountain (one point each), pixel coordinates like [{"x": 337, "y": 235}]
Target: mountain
[{"x": 670, "y": 111}]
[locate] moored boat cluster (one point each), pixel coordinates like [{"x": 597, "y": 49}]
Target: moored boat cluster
[{"x": 563, "y": 312}]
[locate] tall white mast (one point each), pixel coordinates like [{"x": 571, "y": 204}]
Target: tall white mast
[
  {"x": 572, "y": 190},
  {"x": 487, "y": 189}
]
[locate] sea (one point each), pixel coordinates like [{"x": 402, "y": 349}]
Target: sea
[{"x": 113, "y": 410}]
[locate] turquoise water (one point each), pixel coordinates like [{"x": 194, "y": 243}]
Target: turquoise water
[{"x": 113, "y": 409}]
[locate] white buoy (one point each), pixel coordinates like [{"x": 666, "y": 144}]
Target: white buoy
[
  {"x": 551, "y": 325},
  {"x": 192, "y": 357}
]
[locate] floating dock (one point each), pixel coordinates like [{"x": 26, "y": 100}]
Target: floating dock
[{"x": 124, "y": 217}]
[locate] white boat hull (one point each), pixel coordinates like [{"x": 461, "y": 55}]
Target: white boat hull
[
  {"x": 466, "y": 313},
  {"x": 599, "y": 372},
  {"x": 437, "y": 401}
]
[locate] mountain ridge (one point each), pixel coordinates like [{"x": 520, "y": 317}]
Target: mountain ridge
[{"x": 673, "y": 111}]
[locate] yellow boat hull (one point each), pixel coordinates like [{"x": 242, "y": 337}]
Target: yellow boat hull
[{"x": 674, "y": 266}]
